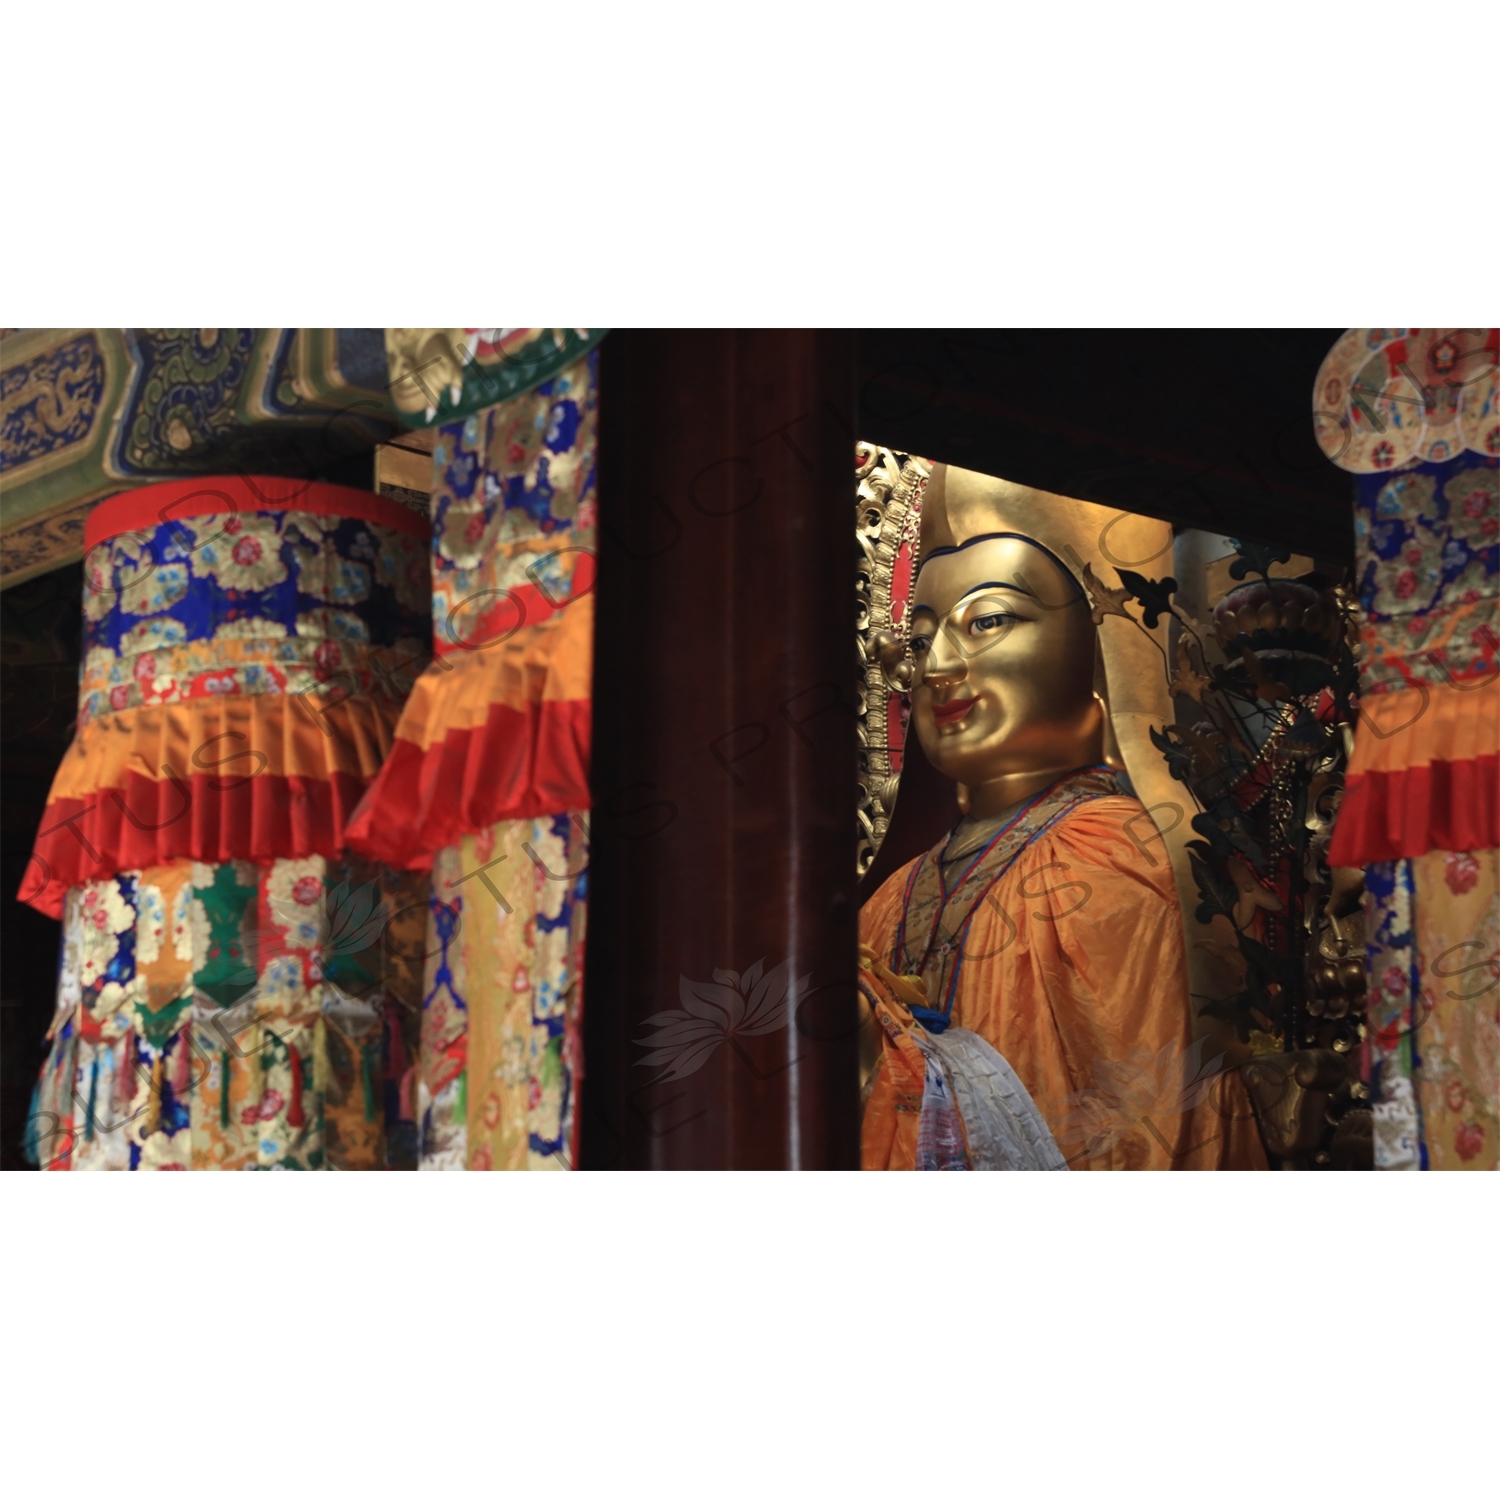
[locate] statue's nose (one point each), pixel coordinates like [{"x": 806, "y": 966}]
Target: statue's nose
[{"x": 945, "y": 662}]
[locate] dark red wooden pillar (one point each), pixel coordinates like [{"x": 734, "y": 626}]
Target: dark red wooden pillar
[{"x": 723, "y": 756}]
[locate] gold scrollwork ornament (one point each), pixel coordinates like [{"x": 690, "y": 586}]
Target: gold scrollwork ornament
[{"x": 887, "y": 510}]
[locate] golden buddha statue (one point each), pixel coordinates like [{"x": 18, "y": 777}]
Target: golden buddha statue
[{"x": 1032, "y": 966}]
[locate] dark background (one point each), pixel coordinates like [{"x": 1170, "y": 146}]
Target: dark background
[
  {"x": 40, "y": 629},
  {"x": 1209, "y": 428}
]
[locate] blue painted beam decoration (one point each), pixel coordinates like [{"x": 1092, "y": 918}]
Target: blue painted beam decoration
[{"x": 88, "y": 412}]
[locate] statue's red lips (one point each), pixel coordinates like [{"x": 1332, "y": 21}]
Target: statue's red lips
[{"x": 952, "y": 711}]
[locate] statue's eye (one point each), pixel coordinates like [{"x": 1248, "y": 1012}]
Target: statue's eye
[
  {"x": 983, "y": 624},
  {"x": 920, "y": 643}
]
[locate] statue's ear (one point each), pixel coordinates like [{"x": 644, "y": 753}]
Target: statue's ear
[{"x": 1112, "y": 754}]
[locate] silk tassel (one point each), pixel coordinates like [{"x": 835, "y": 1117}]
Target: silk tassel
[
  {"x": 88, "y": 1129},
  {"x": 182, "y": 1077},
  {"x": 396, "y": 1060},
  {"x": 152, "y": 1122},
  {"x": 124, "y": 1085},
  {"x": 294, "y": 1113},
  {"x": 367, "y": 1076},
  {"x": 130, "y": 1062},
  {"x": 322, "y": 1067}
]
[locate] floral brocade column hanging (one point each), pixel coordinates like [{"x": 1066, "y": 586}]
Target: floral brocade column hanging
[
  {"x": 487, "y": 782},
  {"x": 235, "y": 991},
  {"x": 1421, "y": 811}
]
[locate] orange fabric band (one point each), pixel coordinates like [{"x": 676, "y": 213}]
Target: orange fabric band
[
  {"x": 295, "y": 734},
  {"x": 548, "y": 662},
  {"x": 1425, "y": 723}
]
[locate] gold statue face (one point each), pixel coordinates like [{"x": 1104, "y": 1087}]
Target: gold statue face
[{"x": 1004, "y": 646}]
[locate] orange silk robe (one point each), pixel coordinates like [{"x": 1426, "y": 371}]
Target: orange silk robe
[{"x": 1072, "y": 967}]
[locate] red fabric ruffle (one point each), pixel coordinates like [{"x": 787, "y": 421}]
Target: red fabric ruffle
[
  {"x": 518, "y": 764},
  {"x": 205, "y": 817},
  {"x": 242, "y": 494},
  {"x": 1446, "y": 804}
]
